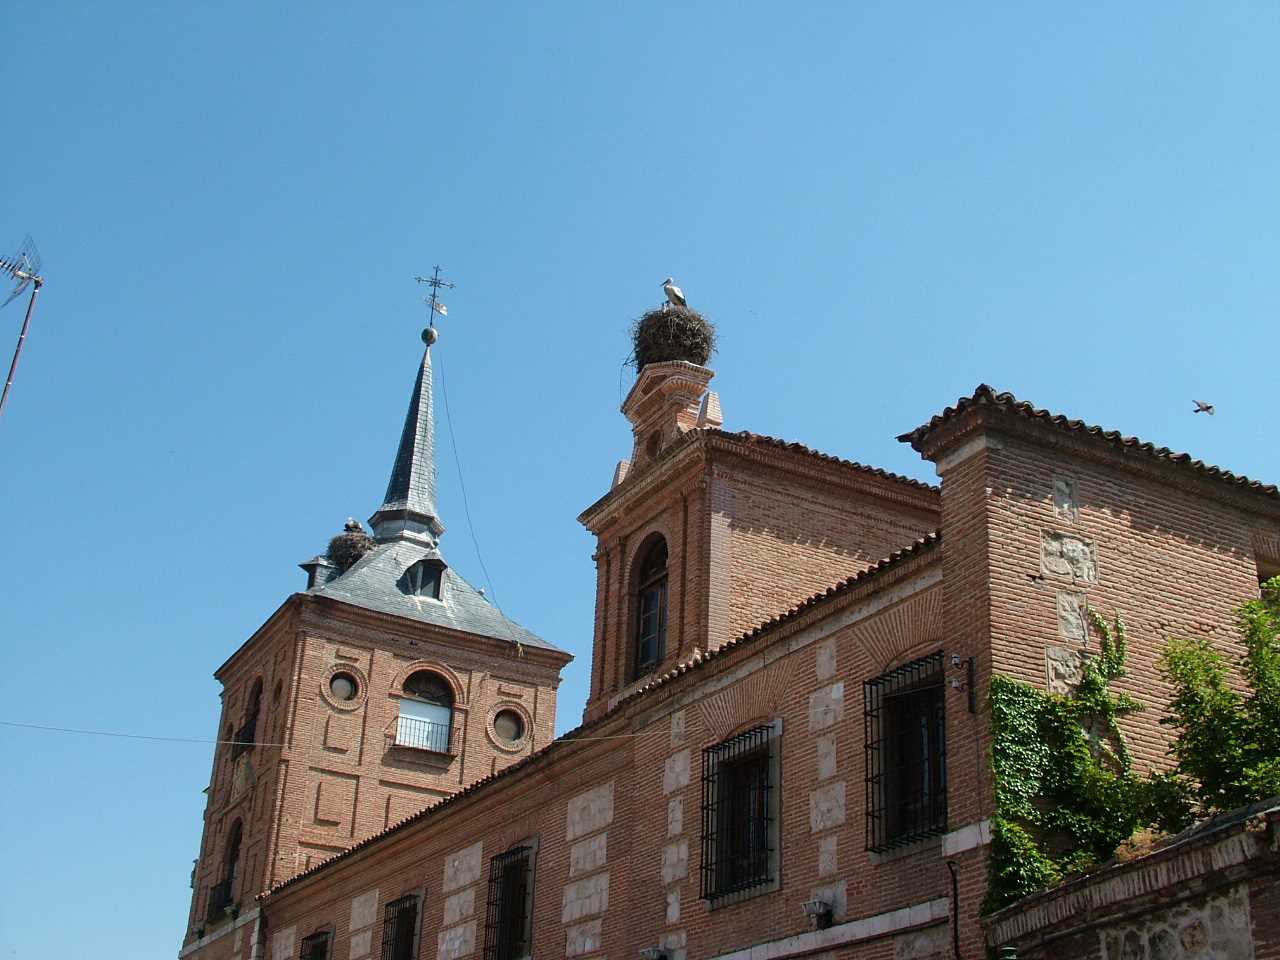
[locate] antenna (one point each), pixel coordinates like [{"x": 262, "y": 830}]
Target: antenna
[
  {"x": 24, "y": 268},
  {"x": 435, "y": 282}
]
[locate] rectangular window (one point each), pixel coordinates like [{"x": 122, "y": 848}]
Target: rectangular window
[
  {"x": 400, "y": 929},
  {"x": 508, "y": 920},
  {"x": 740, "y": 813},
  {"x": 315, "y": 947},
  {"x": 906, "y": 747}
]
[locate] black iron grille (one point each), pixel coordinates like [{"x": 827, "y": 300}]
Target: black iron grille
[
  {"x": 245, "y": 737},
  {"x": 506, "y": 928},
  {"x": 315, "y": 947},
  {"x": 737, "y": 815},
  {"x": 906, "y": 744},
  {"x": 399, "y": 925},
  {"x": 219, "y": 900}
]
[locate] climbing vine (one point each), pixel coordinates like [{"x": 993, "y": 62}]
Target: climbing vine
[{"x": 1065, "y": 793}]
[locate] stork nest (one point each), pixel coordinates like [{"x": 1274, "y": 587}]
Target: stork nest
[
  {"x": 349, "y": 546},
  {"x": 672, "y": 333}
]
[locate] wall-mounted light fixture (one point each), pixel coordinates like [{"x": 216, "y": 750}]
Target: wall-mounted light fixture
[
  {"x": 968, "y": 665},
  {"x": 819, "y": 911}
]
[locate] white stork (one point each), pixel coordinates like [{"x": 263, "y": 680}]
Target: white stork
[
  {"x": 675, "y": 295},
  {"x": 1202, "y": 407}
]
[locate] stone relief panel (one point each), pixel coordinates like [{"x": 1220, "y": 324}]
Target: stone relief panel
[
  {"x": 1071, "y": 616},
  {"x": 1063, "y": 555},
  {"x": 1065, "y": 505},
  {"x": 1064, "y": 667},
  {"x": 1216, "y": 929}
]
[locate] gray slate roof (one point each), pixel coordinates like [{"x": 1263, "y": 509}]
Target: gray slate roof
[{"x": 374, "y": 583}]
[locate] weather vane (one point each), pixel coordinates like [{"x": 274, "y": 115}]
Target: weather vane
[
  {"x": 434, "y": 305},
  {"x": 24, "y": 268}
]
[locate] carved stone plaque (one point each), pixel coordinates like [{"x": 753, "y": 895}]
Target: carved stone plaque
[
  {"x": 1064, "y": 668},
  {"x": 1066, "y": 556},
  {"x": 1071, "y": 616},
  {"x": 1064, "y": 499}
]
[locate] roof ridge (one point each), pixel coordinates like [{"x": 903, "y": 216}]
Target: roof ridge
[
  {"x": 763, "y": 439},
  {"x": 985, "y": 394}
]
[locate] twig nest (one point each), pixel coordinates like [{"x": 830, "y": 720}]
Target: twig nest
[
  {"x": 349, "y": 546},
  {"x": 672, "y": 333}
]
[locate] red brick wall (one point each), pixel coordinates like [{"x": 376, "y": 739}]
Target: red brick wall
[
  {"x": 1170, "y": 560},
  {"x": 747, "y": 540},
  {"x": 650, "y": 752},
  {"x": 337, "y": 777}
]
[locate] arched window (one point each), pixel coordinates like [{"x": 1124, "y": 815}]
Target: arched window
[
  {"x": 651, "y": 606},
  {"x": 426, "y": 713},
  {"x": 220, "y": 894},
  {"x": 248, "y": 733},
  {"x": 231, "y": 863}
]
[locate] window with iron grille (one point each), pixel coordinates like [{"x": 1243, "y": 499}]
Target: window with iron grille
[
  {"x": 508, "y": 928},
  {"x": 906, "y": 746},
  {"x": 740, "y": 779},
  {"x": 400, "y": 929},
  {"x": 315, "y": 947}
]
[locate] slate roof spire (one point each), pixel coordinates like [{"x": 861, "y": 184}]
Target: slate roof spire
[{"x": 408, "y": 510}]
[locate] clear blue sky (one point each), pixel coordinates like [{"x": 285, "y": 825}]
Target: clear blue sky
[{"x": 881, "y": 205}]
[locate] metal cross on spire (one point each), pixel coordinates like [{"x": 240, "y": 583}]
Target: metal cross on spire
[{"x": 434, "y": 305}]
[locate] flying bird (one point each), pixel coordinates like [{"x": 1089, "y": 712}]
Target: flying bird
[
  {"x": 674, "y": 294},
  {"x": 1202, "y": 407}
]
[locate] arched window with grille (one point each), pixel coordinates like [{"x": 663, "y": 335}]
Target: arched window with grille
[
  {"x": 248, "y": 733},
  {"x": 220, "y": 894},
  {"x": 426, "y": 713},
  {"x": 650, "y": 606}
]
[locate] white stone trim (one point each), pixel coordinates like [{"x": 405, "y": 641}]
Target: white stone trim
[
  {"x": 966, "y": 838},
  {"x": 221, "y": 932},
  {"x": 917, "y": 915},
  {"x": 984, "y": 441},
  {"x": 820, "y": 630}
]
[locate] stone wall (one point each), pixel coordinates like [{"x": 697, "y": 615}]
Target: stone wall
[{"x": 1213, "y": 894}]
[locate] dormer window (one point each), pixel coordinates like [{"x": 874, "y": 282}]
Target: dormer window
[{"x": 424, "y": 579}]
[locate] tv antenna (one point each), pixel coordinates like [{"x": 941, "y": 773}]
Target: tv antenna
[
  {"x": 435, "y": 282},
  {"x": 24, "y": 268}
]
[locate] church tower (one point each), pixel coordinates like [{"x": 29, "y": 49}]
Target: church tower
[
  {"x": 386, "y": 685},
  {"x": 705, "y": 534}
]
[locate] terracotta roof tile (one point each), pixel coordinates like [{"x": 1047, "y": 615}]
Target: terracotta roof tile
[
  {"x": 761, "y": 440},
  {"x": 1007, "y": 402}
]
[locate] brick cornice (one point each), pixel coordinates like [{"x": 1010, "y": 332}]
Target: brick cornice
[
  {"x": 791, "y": 458},
  {"x": 988, "y": 410}
]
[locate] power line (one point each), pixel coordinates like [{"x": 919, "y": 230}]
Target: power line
[
  {"x": 462, "y": 485},
  {"x": 145, "y": 736}
]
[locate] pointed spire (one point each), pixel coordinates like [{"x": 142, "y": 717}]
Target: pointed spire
[{"x": 409, "y": 507}]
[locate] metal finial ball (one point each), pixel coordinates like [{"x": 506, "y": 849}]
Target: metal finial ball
[{"x": 430, "y": 335}]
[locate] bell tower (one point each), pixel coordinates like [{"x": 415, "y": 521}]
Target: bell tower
[
  {"x": 704, "y": 534},
  {"x": 386, "y": 685}
]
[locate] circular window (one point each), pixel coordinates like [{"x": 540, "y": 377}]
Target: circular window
[
  {"x": 343, "y": 686},
  {"x": 509, "y": 726}
]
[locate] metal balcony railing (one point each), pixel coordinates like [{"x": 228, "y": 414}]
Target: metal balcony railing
[
  {"x": 219, "y": 900},
  {"x": 424, "y": 735}
]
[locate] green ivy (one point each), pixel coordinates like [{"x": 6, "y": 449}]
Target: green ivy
[
  {"x": 1228, "y": 744},
  {"x": 1065, "y": 793}
]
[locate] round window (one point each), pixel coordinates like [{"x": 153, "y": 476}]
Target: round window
[
  {"x": 509, "y": 726},
  {"x": 343, "y": 686}
]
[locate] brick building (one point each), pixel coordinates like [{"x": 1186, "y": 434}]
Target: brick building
[{"x": 784, "y": 749}]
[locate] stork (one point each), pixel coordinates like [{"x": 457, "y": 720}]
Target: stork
[
  {"x": 1202, "y": 407},
  {"x": 675, "y": 295}
]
